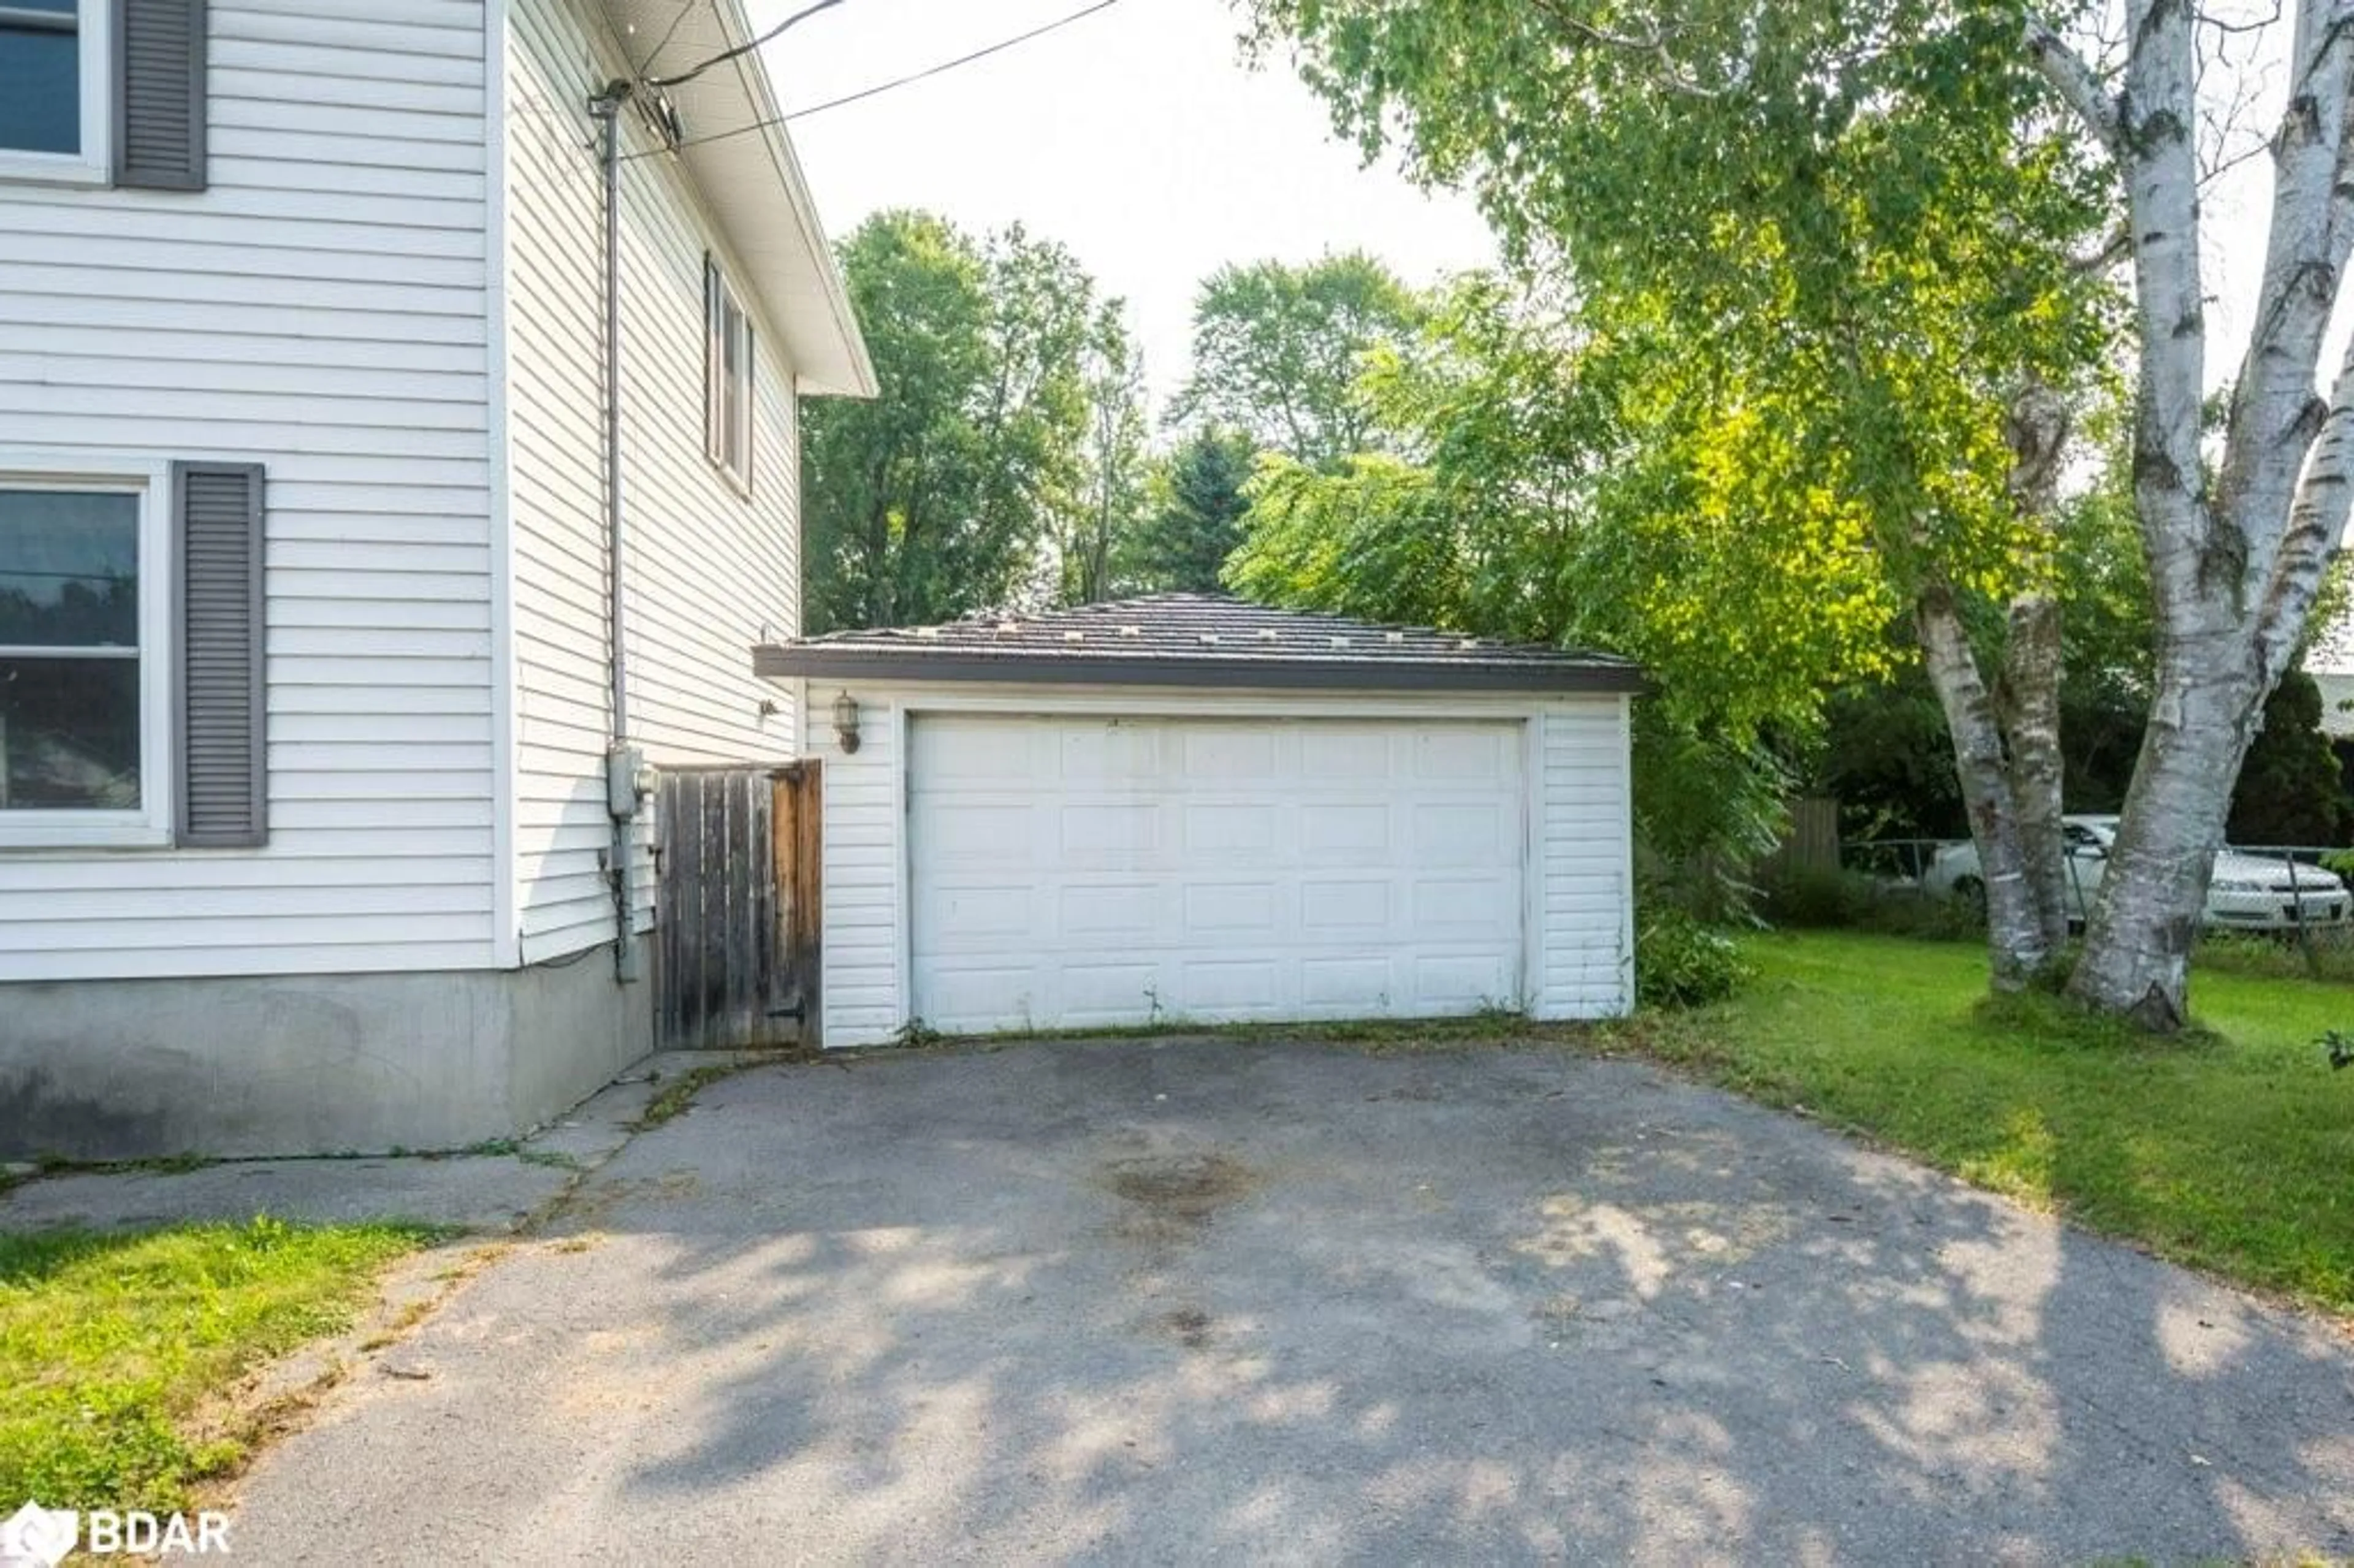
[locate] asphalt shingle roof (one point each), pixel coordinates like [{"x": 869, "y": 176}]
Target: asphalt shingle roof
[{"x": 1205, "y": 640}]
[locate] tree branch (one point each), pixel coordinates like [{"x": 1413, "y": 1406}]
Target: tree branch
[
  {"x": 2114, "y": 249},
  {"x": 1654, "y": 42},
  {"x": 2073, "y": 78},
  {"x": 2274, "y": 415},
  {"x": 2324, "y": 498},
  {"x": 2158, "y": 149}
]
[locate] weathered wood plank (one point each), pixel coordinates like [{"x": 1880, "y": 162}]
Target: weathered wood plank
[{"x": 736, "y": 951}]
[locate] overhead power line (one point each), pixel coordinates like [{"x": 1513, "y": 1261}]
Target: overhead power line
[
  {"x": 895, "y": 82},
  {"x": 747, "y": 46}
]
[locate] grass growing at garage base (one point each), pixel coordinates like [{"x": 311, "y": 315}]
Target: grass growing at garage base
[
  {"x": 110, "y": 1343},
  {"x": 2232, "y": 1151}
]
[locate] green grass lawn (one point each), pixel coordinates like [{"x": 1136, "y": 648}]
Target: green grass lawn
[
  {"x": 110, "y": 1344},
  {"x": 2233, "y": 1152}
]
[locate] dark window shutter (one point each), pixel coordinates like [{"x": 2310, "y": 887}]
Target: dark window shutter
[
  {"x": 159, "y": 94},
  {"x": 751, "y": 393},
  {"x": 224, "y": 798},
  {"x": 713, "y": 370}
]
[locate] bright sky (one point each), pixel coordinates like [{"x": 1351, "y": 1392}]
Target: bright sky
[{"x": 1138, "y": 137}]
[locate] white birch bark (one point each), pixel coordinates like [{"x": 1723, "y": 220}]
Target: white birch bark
[
  {"x": 2037, "y": 426},
  {"x": 2234, "y": 568},
  {"x": 2019, "y": 943}
]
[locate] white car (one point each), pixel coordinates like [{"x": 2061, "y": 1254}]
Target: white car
[{"x": 2247, "y": 893}]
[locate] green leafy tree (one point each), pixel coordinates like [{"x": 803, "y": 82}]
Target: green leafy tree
[
  {"x": 935, "y": 498},
  {"x": 1550, "y": 492},
  {"x": 2289, "y": 791},
  {"x": 1276, "y": 349},
  {"x": 1195, "y": 516},
  {"x": 1097, "y": 547},
  {"x": 886, "y": 484},
  {"x": 1846, "y": 237}
]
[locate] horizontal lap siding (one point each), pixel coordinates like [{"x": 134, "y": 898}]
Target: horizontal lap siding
[
  {"x": 864, "y": 845},
  {"x": 321, "y": 309},
  {"x": 1586, "y": 964},
  {"x": 709, "y": 573}
]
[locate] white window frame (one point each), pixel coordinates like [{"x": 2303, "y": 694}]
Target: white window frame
[
  {"x": 150, "y": 826},
  {"x": 93, "y": 165},
  {"x": 723, "y": 299}
]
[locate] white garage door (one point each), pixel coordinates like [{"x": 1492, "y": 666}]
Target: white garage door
[{"x": 1080, "y": 872}]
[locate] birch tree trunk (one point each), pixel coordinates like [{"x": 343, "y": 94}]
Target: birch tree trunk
[
  {"x": 2235, "y": 563},
  {"x": 2006, "y": 738},
  {"x": 2028, "y": 695},
  {"x": 2017, "y": 939}
]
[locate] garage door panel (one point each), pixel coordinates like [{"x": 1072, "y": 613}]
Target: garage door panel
[
  {"x": 1230, "y": 829},
  {"x": 1353, "y": 985},
  {"x": 961, "y": 996},
  {"x": 1350, "y": 907},
  {"x": 1462, "y": 980},
  {"x": 1464, "y": 753},
  {"x": 1465, "y": 833},
  {"x": 1458, "y": 907},
  {"x": 1223, "y": 869},
  {"x": 1361, "y": 829},
  {"x": 1110, "y": 754},
  {"x": 1098, "y": 993},
  {"x": 1088, "y": 911},
  {"x": 1208, "y": 987},
  {"x": 965, "y": 831},
  {"x": 1100, "y": 832},
  {"x": 971, "y": 916},
  {"x": 1345, "y": 754},
  {"x": 1216, "y": 753},
  {"x": 1216, "y": 912},
  {"x": 970, "y": 752}
]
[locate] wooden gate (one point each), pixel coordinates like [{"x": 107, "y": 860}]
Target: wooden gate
[{"x": 736, "y": 950}]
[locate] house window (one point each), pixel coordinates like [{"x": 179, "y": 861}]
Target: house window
[
  {"x": 83, "y": 649},
  {"x": 53, "y": 88},
  {"x": 728, "y": 379}
]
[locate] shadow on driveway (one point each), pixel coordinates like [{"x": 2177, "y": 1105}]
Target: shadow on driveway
[{"x": 1174, "y": 1299}]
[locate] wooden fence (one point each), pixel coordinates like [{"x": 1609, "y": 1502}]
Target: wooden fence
[{"x": 736, "y": 951}]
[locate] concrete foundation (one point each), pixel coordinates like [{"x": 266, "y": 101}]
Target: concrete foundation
[{"x": 308, "y": 1063}]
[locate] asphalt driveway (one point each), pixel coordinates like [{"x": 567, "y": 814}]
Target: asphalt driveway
[{"x": 1176, "y": 1300}]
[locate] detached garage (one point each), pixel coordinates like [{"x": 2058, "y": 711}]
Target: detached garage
[{"x": 1185, "y": 808}]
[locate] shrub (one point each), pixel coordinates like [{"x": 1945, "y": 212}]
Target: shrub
[
  {"x": 2325, "y": 954},
  {"x": 1813, "y": 898},
  {"x": 1682, "y": 962}
]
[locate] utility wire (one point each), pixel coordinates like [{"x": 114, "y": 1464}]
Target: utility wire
[
  {"x": 882, "y": 87},
  {"x": 685, "y": 7},
  {"x": 745, "y": 48}
]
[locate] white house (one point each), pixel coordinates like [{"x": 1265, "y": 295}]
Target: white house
[
  {"x": 307, "y": 684},
  {"x": 1185, "y": 809}
]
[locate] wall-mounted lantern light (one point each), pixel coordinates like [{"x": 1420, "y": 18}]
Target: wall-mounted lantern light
[{"x": 846, "y": 721}]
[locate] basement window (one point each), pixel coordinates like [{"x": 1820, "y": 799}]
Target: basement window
[{"x": 728, "y": 379}]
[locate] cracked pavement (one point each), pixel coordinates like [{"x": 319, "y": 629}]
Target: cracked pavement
[{"x": 1166, "y": 1300}]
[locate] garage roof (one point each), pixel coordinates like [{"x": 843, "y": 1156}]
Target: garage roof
[{"x": 1195, "y": 640}]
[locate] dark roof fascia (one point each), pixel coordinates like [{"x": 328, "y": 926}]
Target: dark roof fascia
[{"x": 807, "y": 661}]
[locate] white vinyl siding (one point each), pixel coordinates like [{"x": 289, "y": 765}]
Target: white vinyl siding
[
  {"x": 321, "y": 309},
  {"x": 710, "y": 571},
  {"x": 1576, "y": 960}
]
